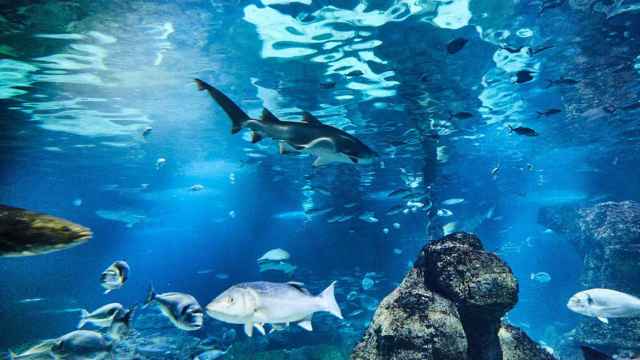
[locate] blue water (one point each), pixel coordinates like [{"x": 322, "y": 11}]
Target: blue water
[{"x": 78, "y": 89}]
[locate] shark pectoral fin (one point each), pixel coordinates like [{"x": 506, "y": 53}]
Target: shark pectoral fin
[
  {"x": 603, "y": 319},
  {"x": 284, "y": 148},
  {"x": 354, "y": 159},
  {"x": 255, "y": 137},
  {"x": 260, "y": 327},
  {"x": 322, "y": 160},
  {"x": 248, "y": 328},
  {"x": 306, "y": 324}
]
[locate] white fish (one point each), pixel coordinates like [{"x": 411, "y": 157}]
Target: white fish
[
  {"x": 160, "y": 163},
  {"x": 42, "y": 349},
  {"x": 369, "y": 217},
  {"x": 367, "y": 283},
  {"x": 259, "y": 303},
  {"x": 277, "y": 254},
  {"x": 101, "y": 317},
  {"x": 449, "y": 228},
  {"x": 222, "y": 276},
  {"x": 444, "y": 212},
  {"x": 396, "y": 225},
  {"x": 31, "y": 300},
  {"x": 453, "y": 201},
  {"x": 397, "y": 251},
  {"x": 385, "y": 230},
  {"x": 604, "y": 304},
  {"x": 129, "y": 218},
  {"x": 77, "y": 202}
]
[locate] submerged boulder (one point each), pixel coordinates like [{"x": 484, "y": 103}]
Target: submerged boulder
[
  {"x": 449, "y": 306},
  {"x": 414, "y": 323},
  {"x": 607, "y": 235}
]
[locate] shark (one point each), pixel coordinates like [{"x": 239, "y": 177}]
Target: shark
[{"x": 327, "y": 143}]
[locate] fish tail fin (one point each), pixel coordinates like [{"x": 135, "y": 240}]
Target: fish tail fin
[
  {"x": 540, "y": 113},
  {"x": 237, "y": 116},
  {"x": 510, "y": 128},
  {"x": 328, "y": 300},
  {"x": 151, "y": 295},
  {"x": 84, "y": 316}
]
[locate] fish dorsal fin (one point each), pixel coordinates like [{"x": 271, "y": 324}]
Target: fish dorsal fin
[
  {"x": 308, "y": 118},
  {"x": 267, "y": 116},
  {"x": 298, "y": 286}
]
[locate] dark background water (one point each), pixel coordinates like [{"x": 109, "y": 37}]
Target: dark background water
[{"x": 75, "y": 133}]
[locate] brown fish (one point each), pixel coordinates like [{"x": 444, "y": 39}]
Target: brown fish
[{"x": 27, "y": 233}]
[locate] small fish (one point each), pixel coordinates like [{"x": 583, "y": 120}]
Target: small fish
[
  {"x": 444, "y": 212},
  {"x": 27, "y": 233},
  {"x": 274, "y": 255},
  {"x": 355, "y": 313},
  {"x": 222, "y": 276},
  {"x": 524, "y": 76},
  {"x": 181, "y": 309},
  {"x": 462, "y": 115},
  {"x": 328, "y": 85},
  {"x": 354, "y": 73},
  {"x": 196, "y": 187},
  {"x": 318, "y": 211},
  {"x": 114, "y": 276},
  {"x": 396, "y": 225},
  {"x": 352, "y": 295},
  {"x": 550, "y": 4},
  {"x": 147, "y": 131},
  {"x": 367, "y": 283},
  {"x": 530, "y": 167},
  {"x": 322, "y": 190},
  {"x": 494, "y": 172},
  {"x": 561, "y": 81},
  {"x": 456, "y": 45},
  {"x": 121, "y": 324},
  {"x": 396, "y": 209},
  {"x": 520, "y": 130},
  {"x": 282, "y": 266},
  {"x": 385, "y": 230},
  {"x": 77, "y": 202},
  {"x": 160, "y": 163},
  {"x": 631, "y": 107},
  {"x": 449, "y": 228},
  {"x": 350, "y": 205},
  {"x": 262, "y": 302},
  {"x": 549, "y": 112},
  {"x": 453, "y": 201},
  {"x": 397, "y": 251},
  {"x": 604, "y": 304},
  {"x": 101, "y": 317},
  {"x": 41, "y": 350},
  {"x": 398, "y": 193},
  {"x": 31, "y": 300},
  {"x": 541, "y": 277},
  {"x": 212, "y": 354},
  {"x": 369, "y": 217}
]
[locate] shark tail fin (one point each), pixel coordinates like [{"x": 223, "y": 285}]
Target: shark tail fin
[
  {"x": 328, "y": 301},
  {"x": 510, "y": 128},
  {"x": 12, "y": 355},
  {"x": 84, "y": 316},
  {"x": 237, "y": 116},
  {"x": 151, "y": 295}
]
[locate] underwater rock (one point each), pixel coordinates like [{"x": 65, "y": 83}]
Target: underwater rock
[
  {"x": 608, "y": 236},
  {"x": 516, "y": 345},
  {"x": 414, "y": 323},
  {"x": 449, "y": 306},
  {"x": 479, "y": 283}
]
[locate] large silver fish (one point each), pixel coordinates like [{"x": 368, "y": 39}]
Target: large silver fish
[
  {"x": 26, "y": 233},
  {"x": 257, "y": 303},
  {"x": 327, "y": 143},
  {"x": 604, "y": 304}
]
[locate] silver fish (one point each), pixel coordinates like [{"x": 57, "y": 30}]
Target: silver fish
[
  {"x": 183, "y": 310},
  {"x": 604, "y": 304}
]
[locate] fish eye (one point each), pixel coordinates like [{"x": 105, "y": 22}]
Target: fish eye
[
  {"x": 66, "y": 229},
  {"x": 230, "y": 300},
  {"x": 589, "y": 300}
]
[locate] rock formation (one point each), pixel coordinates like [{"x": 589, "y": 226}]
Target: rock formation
[
  {"x": 449, "y": 307},
  {"x": 608, "y": 236}
]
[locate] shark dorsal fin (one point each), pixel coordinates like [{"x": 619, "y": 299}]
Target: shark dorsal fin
[
  {"x": 308, "y": 118},
  {"x": 267, "y": 116}
]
